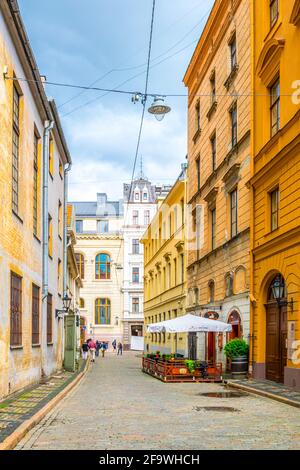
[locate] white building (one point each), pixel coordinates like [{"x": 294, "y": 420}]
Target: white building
[
  {"x": 99, "y": 252},
  {"x": 139, "y": 209}
]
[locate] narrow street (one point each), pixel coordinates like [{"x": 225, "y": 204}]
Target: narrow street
[{"x": 116, "y": 406}]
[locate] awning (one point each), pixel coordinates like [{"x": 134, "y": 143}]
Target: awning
[{"x": 189, "y": 324}]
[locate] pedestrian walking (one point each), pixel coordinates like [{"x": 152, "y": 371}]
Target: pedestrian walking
[
  {"x": 114, "y": 345},
  {"x": 85, "y": 350},
  {"x": 103, "y": 349},
  {"x": 98, "y": 347},
  {"x": 92, "y": 348},
  {"x": 120, "y": 348}
]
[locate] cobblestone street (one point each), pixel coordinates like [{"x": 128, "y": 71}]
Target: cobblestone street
[{"x": 116, "y": 406}]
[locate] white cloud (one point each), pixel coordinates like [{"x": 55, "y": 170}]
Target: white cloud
[{"x": 104, "y": 144}]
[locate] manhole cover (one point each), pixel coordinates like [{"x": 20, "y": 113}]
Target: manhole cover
[
  {"x": 223, "y": 394},
  {"x": 216, "y": 408}
]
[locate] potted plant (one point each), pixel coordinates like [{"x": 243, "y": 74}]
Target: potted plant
[{"x": 237, "y": 350}]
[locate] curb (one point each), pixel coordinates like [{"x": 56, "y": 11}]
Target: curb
[
  {"x": 11, "y": 441},
  {"x": 272, "y": 396}
]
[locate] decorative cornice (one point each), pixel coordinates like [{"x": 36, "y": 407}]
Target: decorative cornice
[
  {"x": 269, "y": 60},
  {"x": 232, "y": 173},
  {"x": 179, "y": 246},
  {"x": 212, "y": 109},
  {"x": 196, "y": 135},
  {"x": 211, "y": 196},
  {"x": 167, "y": 256},
  {"x": 231, "y": 77}
]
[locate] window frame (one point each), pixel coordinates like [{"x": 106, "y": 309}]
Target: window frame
[
  {"x": 275, "y": 104},
  {"x": 35, "y": 315},
  {"x": 213, "y": 143},
  {"x": 107, "y": 308},
  {"x": 234, "y": 124},
  {"x": 135, "y": 275},
  {"x": 16, "y": 312},
  {"x": 135, "y": 246},
  {"x": 36, "y": 141},
  {"x": 15, "y": 148},
  {"x": 49, "y": 318},
  {"x": 273, "y": 20},
  {"x": 275, "y": 212},
  {"x": 213, "y": 216},
  {"x": 233, "y": 213},
  {"x": 135, "y": 303},
  {"x": 99, "y": 264},
  {"x": 233, "y": 52}
]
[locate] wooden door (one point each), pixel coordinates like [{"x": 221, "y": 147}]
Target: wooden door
[
  {"x": 276, "y": 347},
  {"x": 211, "y": 347},
  {"x": 192, "y": 346}
]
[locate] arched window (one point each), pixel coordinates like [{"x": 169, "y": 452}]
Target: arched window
[
  {"x": 211, "y": 291},
  {"x": 80, "y": 264},
  {"x": 228, "y": 285},
  {"x": 81, "y": 303},
  {"x": 102, "y": 266},
  {"x": 102, "y": 312}
]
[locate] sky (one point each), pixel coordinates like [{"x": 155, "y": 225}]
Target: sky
[{"x": 106, "y": 43}]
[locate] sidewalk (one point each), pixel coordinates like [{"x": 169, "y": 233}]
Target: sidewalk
[
  {"x": 268, "y": 389},
  {"x": 23, "y": 406}
]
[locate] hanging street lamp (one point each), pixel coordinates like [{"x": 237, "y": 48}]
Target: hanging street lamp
[{"x": 159, "y": 108}]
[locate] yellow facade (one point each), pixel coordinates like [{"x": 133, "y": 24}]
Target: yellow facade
[
  {"x": 275, "y": 186},
  {"x": 165, "y": 270},
  {"x": 218, "y": 80}
]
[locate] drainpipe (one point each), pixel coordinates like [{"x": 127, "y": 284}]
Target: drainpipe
[
  {"x": 48, "y": 126},
  {"x": 65, "y": 244}
]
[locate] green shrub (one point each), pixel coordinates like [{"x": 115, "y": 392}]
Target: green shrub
[
  {"x": 236, "y": 347},
  {"x": 190, "y": 365}
]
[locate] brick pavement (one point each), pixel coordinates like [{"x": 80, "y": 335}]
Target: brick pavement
[{"x": 116, "y": 406}]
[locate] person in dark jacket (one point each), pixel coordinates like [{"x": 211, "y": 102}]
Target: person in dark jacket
[
  {"x": 120, "y": 348},
  {"x": 85, "y": 350}
]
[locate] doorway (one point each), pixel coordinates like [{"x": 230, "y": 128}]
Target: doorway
[
  {"x": 276, "y": 338},
  {"x": 192, "y": 346}
]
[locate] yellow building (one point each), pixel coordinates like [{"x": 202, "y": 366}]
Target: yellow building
[
  {"x": 165, "y": 270},
  {"x": 275, "y": 185},
  {"x": 31, "y": 219},
  {"x": 218, "y": 79}
]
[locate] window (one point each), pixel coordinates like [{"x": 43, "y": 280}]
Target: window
[
  {"x": 175, "y": 271},
  {"x": 145, "y": 196},
  {"x": 146, "y": 217},
  {"x": 15, "y": 150},
  {"x": 211, "y": 291},
  {"x": 61, "y": 169},
  {"x": 81, "y": 303},
  {"x": 137, "y": 196},
  {"x": 50, "y": 236},
  {"x": 135, "y": 246},
  {"x": 59, "y": 276},
  {"x": 275, "y": 107},
  {"x": 102, "y": 266},
  {"x": 170, "y": 224},
  {"x": 228, "y": 285},
  {"x": 15, "y": 310},
  {"x": 233, "y": 212},
  {"x": 182, "y": 211},
  {"x": 51, "y": 156},
  {"x": 102, "y": 312},
  {"x": 49, "y": 319},
  {"x": 198, "y": 174},
  {"x": 35, "y": 182},
  {"x": 274, "y": 12},
  {"x": 79, "y": 226},
  {"x": 213, "y": 88},
  {"x": 175, "y": 219},
  {"x": 213, "y": 228},
  {"x": 80, "y": 264},
  {"x": 213, "y": 141},
  {"x": 169, "y": 276},
  {"x": 135, "y": 305},
  {"x": 135, "y": 217},
  {"x": 35, "y": 332},
  {"x": 233, "y": 121},
  {"x": 135, "y": 275},
  {"x": 274, "y": 199},
  {"x": 60, "y": 219},
  {"x": 233, "y": 55},
  {"x": 102, "y": 226},
  {"x": 198, "y": 117}
]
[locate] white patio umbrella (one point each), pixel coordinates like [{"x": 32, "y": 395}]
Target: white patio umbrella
[{"x": 189, "y": 324}]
